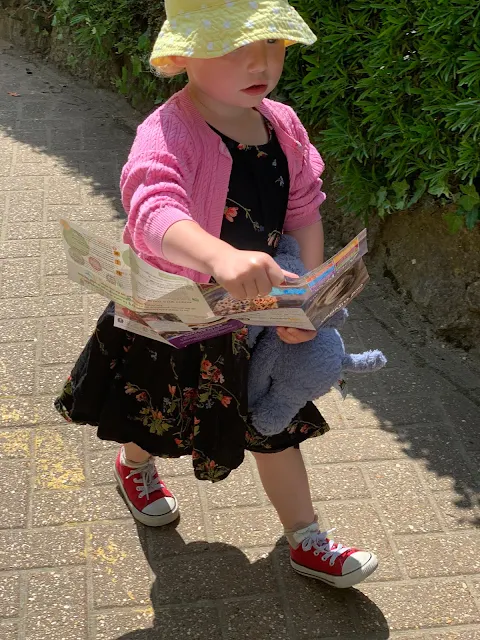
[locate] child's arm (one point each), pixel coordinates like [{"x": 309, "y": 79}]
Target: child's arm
[
  {"x": 244, "y": 274},
  {"x": 311, "y": 243}
]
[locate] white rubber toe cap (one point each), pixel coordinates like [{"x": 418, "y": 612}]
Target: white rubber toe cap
[{"x": 160, "y": 507}]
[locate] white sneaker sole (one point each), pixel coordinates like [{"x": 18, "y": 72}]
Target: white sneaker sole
[
  {"x": 144, "y": 518},
  {"x": 340, "y": 582}
]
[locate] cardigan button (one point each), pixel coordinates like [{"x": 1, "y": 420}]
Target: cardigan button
[{"x": 223, "y": 149}]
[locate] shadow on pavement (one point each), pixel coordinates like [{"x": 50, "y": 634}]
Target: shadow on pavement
[{"x": 225, "y": 588}]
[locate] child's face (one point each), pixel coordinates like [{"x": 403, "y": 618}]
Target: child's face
[{"x": 241, "y": 78}]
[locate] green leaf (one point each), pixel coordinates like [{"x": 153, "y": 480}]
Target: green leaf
[
  {"x": 472, "y": 218},
  {"x": 136, "y": 66},
  {"x": 401, "y": 191},
  {"x": 470, "y": 190},
  {"x": 467, "y": 202},
  {"x": 420, "y": 188},
  {"x": 454, "y": 221}
]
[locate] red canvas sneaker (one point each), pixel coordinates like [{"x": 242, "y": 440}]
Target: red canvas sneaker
[
  {"x": 147, "y": 497},
  {"x": 314, "y": 555}
]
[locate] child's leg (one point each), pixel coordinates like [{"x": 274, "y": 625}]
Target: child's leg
[
  {"x": 285, "y": 481},
  {"x": 312, "y": 553},
  {"x": 146, "y": 495},
  {"x": 134, "y": 453}
]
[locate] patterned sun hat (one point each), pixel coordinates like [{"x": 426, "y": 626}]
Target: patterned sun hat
[{"x": 212, "y": 28}]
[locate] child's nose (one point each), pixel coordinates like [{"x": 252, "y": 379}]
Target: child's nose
[{"x": 257, "y": 61}]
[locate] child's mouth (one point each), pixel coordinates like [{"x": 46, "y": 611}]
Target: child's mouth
[{"x": 256, "y": 89}]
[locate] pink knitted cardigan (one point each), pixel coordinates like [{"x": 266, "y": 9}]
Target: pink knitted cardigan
[{"x": 179, "y": 169}]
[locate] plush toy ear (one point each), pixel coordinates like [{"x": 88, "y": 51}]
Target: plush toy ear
[{"x": 363, "y": 362}]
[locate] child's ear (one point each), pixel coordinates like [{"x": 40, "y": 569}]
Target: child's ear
[{"x": 179, "y": 61}]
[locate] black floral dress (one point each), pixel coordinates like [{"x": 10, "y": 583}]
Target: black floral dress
[{"x": 193, "y": 400}]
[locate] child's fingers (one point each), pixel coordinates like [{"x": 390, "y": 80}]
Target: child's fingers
[
  {"x": 295, "y": 336},
  {"x": 287, "y": 274}
]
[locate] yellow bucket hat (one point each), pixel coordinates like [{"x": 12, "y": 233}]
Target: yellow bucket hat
[{"x": 209, "y": 28}]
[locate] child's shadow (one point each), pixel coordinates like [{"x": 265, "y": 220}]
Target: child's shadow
[{"x": 202, "y": 588}]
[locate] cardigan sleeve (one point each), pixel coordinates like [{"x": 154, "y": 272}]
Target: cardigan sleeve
[
  {"x": 156, "y": 182},
  {"x": 306, "y": 193}
]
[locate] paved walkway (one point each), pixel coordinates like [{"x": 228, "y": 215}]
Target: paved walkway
[{"x": 396, "y": 473}]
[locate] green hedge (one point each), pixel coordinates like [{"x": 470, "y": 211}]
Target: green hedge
[
  {"x": 117, "y": 34},
  {"x": 393, "y": 89}
]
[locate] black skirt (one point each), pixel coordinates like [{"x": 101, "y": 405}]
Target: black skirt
[{"x": 174, "y": 402}]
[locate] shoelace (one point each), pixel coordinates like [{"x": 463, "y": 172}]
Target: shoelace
[
  {"x": 148, "y": 479},
  {"x": 322, "y": 544}
]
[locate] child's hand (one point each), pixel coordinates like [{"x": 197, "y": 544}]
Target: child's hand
[
  {"x": 247, "y": 274},
  {"x": 295, "y": 336}
]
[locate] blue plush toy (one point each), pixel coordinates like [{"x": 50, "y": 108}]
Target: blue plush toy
[{"x": 284, "y": 377}]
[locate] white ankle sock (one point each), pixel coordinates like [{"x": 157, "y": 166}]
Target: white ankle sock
[
  {"x": 295, "y": 538},
  {"x": 130, "y": 463}
]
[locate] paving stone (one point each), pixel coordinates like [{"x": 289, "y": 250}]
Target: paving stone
[
  {"x": 71, "y": 141},
  {"x": 18, "y": 330},
  {"x": 9, "y": 596},
  {"x": 63, "y": 190},
  {"x": 359, "y": 445},
  {"x": 17, "y": 366},
  {"x": 415, "y": 381},
  {"x": 246, "y": 527},
  {"x": 14, "y": 444},
  {"x": 54, "y": 263},
  {"x": 71, "y": 303},
  {"x": 337, "y": 482},
  {"x": 171, "y": 467},
  {"x": 56, "y": 605},
  {"x": 164, "y": 541},
  {"x": 51, "y": 378},
  {"x": 328, "y": 407},
  {"x": 238, "y": 490},
  {"x": 192, "y": 577},
  {"x": 465, "y": 418},
  {"x": 419, "y": 605},
  {"x": 45, "y": 166},
  {"x": 102, "y": 208},
  {"x": 437, "y": 450},
  {"x": 59, "y": 457},
  {"x": 25, "y": 183},
  {"x": 24, "y": 411},
  {"x": 113, "y": 625},
  {"x": 60, "y": 287},
  {"x": 440, "y": 634},
  {"x": 401, "y": 498},
  {"x": 20, "y": 249},
  {"x": 317, "y": 611},
  {"x": 21, "y": 549},
  {"x": 258, "y": 618},
  {"x": 459, "y": 511},
  {"x": 25, "y": 207},
  {"x": 14, "y": 490},
  {"x": 9, "y": 630},
  {"x": 101, "y": 461},
  {"x": 394, "y": 411},
  {"x": 61, "y": 506},
  {"x": 357, "y": 524},
  {"x": 63, "y": 340},
  {"x": 121, "y": 574},
  {"x": 457, "y": 554},
  {"x": 21, "y": 278},
  {"x": 35, "y": 110}
]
